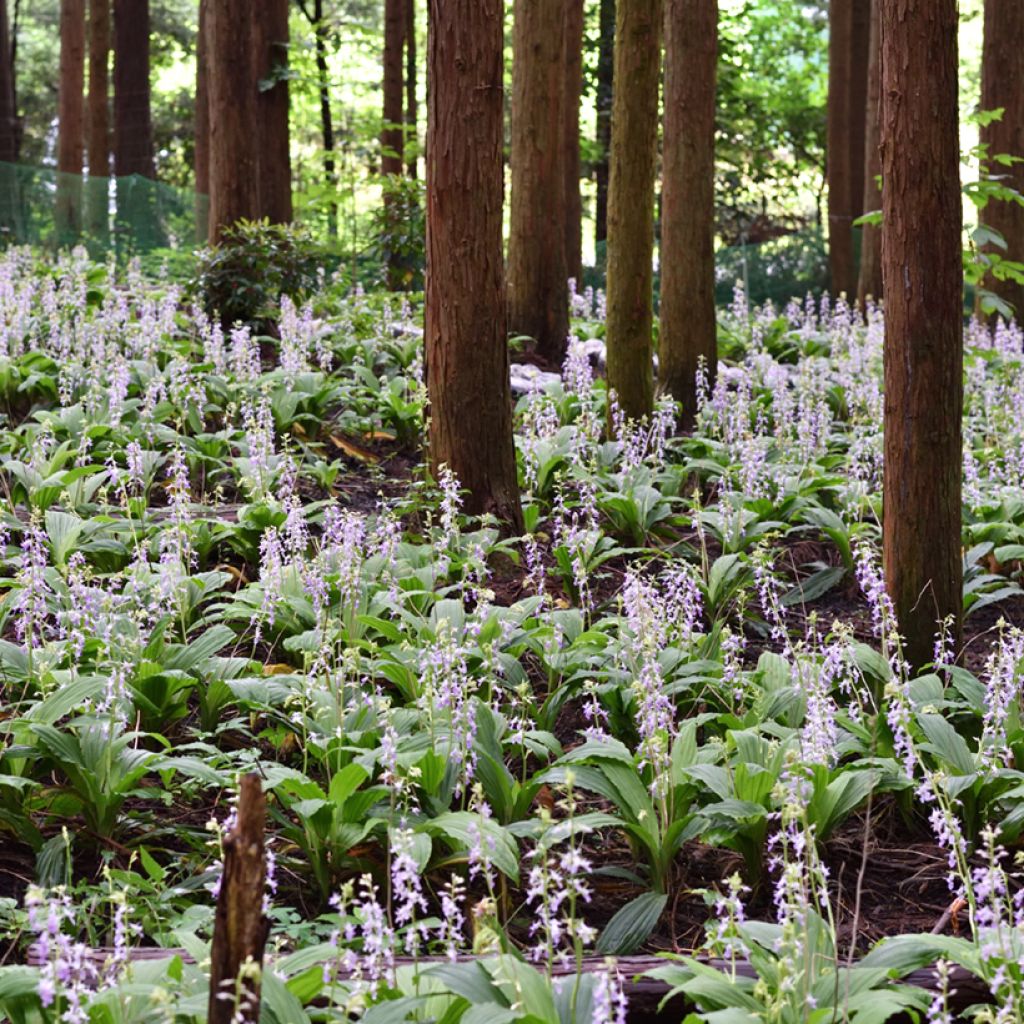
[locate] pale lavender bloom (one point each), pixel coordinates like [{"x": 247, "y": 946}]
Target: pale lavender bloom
[
  {"x": 406, "y": 888},
  {"x": 610, "y": 1005},
  {"x": 34, "y": 592},
  {"x": 451, "y": 931},
  {"x": 872, "y": 583},
  {"x": 1002, "y": 689}
]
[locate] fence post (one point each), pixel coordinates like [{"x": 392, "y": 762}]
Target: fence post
[{"x": 240, "y": 927}]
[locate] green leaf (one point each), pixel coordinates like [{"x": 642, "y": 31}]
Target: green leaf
[
  {"x": 461, "y": 828},
  {"x": 947, "y": 743},
  {"x": 632, "y": 924}
]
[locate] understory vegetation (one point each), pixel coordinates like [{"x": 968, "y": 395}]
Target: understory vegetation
[{"x": 672, "y": 717}]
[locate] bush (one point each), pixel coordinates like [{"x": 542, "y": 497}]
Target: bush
[{"x": 243, "y": 278}]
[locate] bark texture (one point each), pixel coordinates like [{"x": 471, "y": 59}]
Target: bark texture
[
  {"x": 240, "y": 930},
  {"x": 394, "y": 86},
  {"x": 133, "y": 126},
  {"x": 98, "y": 116},
  {"x": 849, "y": 31},
  {"x": 923, "y": 277},
  {"x": 537, "y": 289},
  {"x": 689, "y": 329},
  {"x": 9, "y": 134},
  {"x": 1002, "y": 85},
  {"x": 202, "y": 150},
  {"x": 270, "y": 54},
  {"x": 411, "y": 100},
  {"x": 234, "y": 163},
  {"x": 70, "y": 120},
  {"x": 465, "y": 336},
  {"x": 605, "y": 94},
  {"x": 391, "y": 139},
  {"x": 629, "y": 328},
  {"x": 574, "y": 19},
  {"x": 869, "y": 284}
]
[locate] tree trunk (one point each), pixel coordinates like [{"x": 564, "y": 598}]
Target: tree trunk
[
  {"x": 270, "y": 42},
  {"x": 326, "y": 119},
  {"x": 849, "y": 31},
  {"x": 574, "y": 20},
  {"x": 411, "y": 102},
  {"x": 394, "y": 85},
  {"x": 391, "y": 163},
  {"x": 465, "y": 337},
  {"x": 133, "y": 126},
  {"x": 8, "y": 108},
  {"x": 97, "y": 218},
  {"x": 537, "y": 278},
  {"x": 202, "y": 150},
  {"x": 689, "y": 334},
  {"x": 605, "y": 93},
  {"x": 70, "y": 121},
  {"x": 240, "y": 928},
  {"x": 231, "y": 85},
  {"x": 1002, "y": 75},
  {"x": 631, "y": 204},
  {"x": 923, "y": 274},
  {"x": 870, "y": 281}
]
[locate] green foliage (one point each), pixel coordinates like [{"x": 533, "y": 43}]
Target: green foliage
[{"x": 243, "y": 278}]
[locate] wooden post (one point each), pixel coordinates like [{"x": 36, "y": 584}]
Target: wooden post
[{"x": 240, "y": 928}]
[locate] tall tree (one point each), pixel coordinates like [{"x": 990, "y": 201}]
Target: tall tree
[
  {"x": 411, "y": 81},
  {"x": 133, "y": 123},
  {"x": 10, "y": 204},
  {"x": 538, "y": 296},
  {"x": 849, "y": 31},
  {"x": 8, "y": 106},
  {"x": 465, "y": 336},
  {"x": 870, "y": 281},
  {"x": 630, "y": 297},
  {"x": 923, "y": 276},
  {"x": 689, "y": 334},
  {"x": 202, "y": 150},
  {"x": 1002, "y": 75},
  {"x": 321, "y": 34},
  {"x": 231, "y": 88},
  {"x": 391, "y": 139},
  {"x": 605, "y": 93},
  {"x": 97, "y": 200},
  {"x": 270, "y": 53},
  {"x": 70, "y": 120},
  {"x": 574, "y": 23},
  {"x": 394, "y": 86}
]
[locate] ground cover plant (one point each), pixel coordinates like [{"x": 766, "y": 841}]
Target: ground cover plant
[{"x": 673, "y": 716}]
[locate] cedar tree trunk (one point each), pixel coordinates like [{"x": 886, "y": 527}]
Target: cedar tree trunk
[
  {"x": 574, "y": 18},
  {"x": 631, "y": 204},
  {"x": 870, "y": 281},
  {"x": 605, "y": 93},
  {"x": 231, "y": 87},
  {"x": 849, "y": 31},
  {"x": 202, "y": 151},
  {"x": 270, "y": 42},
  {"x": 97, "y": 214},
  {"x": 70, "y": 120},
  {"x": 465, "y": 337},
  {"x": 8, "y": 107},
  {"x": 133, "y": 127},
  {"x": 688, "y": 324},
  {"x": 537, "y": 278},
  {"x": 411, "y": 78},
  {"x": 391, "y": 163},
  {"x": 1002, "y": 85},
  {"x": 922, "y": 267}
]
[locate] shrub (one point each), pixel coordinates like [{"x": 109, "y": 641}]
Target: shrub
[{"x": 243, "y": 278}]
